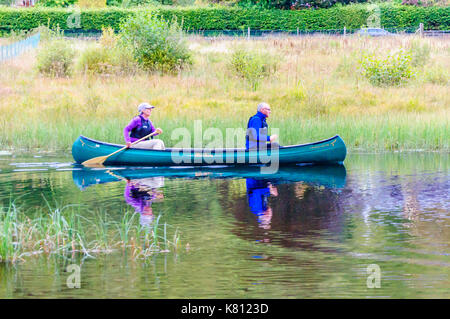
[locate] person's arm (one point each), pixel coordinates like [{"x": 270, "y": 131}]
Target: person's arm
[{"x": 126, "y": 131}]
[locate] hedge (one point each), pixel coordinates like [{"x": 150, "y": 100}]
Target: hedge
[{"x": 218, "y": 18}]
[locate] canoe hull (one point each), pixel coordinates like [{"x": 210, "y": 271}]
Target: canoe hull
[
  {"x": 324, "y": 175},
  {"x": 330, "y": 151}
]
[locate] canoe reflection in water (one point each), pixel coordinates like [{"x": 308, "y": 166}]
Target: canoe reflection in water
[
  {"x": 143, "y": 189},
  {"x": 141, "y": 193},
  {"x": 258, "y": 193}
]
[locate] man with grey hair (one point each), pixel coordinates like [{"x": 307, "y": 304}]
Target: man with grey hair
[
  {"x": 257, "y": 127},
  {"x": 141, "y": 126}
]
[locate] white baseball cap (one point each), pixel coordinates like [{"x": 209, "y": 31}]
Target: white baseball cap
[{"x": 144, "y": 106}]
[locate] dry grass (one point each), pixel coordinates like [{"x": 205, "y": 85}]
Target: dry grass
[{"x": 317, "y": 83}]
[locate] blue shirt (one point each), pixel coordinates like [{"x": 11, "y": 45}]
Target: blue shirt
[
  {"x": 256, "y": 131},
  {"x": 258, "y": 193}
]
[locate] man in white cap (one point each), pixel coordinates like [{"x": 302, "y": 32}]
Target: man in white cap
[{"x": 141, "y": 126}]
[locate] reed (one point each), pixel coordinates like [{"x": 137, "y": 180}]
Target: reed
[
  {"x": 316, "y": 92},
  {"x": 63, "y": 231}
]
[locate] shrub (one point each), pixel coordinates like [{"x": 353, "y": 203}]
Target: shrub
[
  {"x": 56, "y": 58},
  {"x": 395, "y": 69},
  {"x": 294, "y": 4},
  {"x": 55, "y": 3},
  {"x": 225, "y": 18},
  {"x": 134, "y": 3},
  {"x": 95, "y": 59},
  {"x": 107, "y": 57},
  {"x": 157, "y": 44},
  {"x": 252, "y": 66}
]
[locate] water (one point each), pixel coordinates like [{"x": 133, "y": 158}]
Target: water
[{"x": 306, "y": 233}]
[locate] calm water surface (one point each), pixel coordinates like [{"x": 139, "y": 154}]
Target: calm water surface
[{"x": 307, "y": 232}]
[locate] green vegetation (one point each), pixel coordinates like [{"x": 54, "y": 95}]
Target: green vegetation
[
  {"x": 56, "y": 58},
  {"x": 55, "y": 3},
  {"x": 157, "y": 44},
  {"x": 395, "y": 69},
  {"x": 252, "y": 66},
  {"x": 232, "y": 18},
  {"x": 107, "y": 57},
  {"x": 313, "y": 94},
  {"x": 65, "y": 231}
]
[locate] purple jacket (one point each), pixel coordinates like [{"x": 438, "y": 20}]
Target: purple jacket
[
  {"x": 135, "y": 122},
  {"x": 140, "y": 200}
]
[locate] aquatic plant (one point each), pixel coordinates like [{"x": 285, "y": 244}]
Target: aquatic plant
[{"x": 66, "y": 231}]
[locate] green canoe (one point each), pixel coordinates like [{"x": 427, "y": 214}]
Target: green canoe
[{"x": 329, "y": 151}]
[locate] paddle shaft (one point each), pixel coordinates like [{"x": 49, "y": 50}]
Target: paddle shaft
[
  {"x": 135, "y": 142},
  {"x": 99, "y": 160}
]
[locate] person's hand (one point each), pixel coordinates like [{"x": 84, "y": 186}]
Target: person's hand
[
  {"x": 273, "y": 137},
  {"x": 128, "y": 144},
  {"x": 158, "y": 131}
]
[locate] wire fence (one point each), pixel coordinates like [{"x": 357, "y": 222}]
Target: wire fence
[
  {"x": 253, "y": 33},
  {"x": 16, "y": 49},
  {"x": 250, "y": 33}
]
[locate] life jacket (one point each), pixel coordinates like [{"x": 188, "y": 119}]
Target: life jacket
[
  {"x": 141, "y": 195},
  {"x": 262, "y": 130},
  {"x": 144, "y": 129}
]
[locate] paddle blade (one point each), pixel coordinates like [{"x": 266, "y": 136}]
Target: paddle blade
[{"x": 95, "y": 161}]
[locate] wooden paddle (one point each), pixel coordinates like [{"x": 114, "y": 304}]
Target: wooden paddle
[{"x": 96, "y": 161}]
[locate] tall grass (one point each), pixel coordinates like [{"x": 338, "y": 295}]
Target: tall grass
[
  {"x": 65, "y": 231},
  {"x": 315, "y": 93}
]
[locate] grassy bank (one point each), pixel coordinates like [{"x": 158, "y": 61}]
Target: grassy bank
[
  {"x": 315, "y": 93},
  {"x": 65, "y": 231}
]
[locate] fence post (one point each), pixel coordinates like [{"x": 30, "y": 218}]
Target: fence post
[
  {"x": 298, "y": 31},
  {"x": 17, "y": 48},
  {"x": 248, "y": 33},
  {"x": 345, "y": 31},
  {"x": 421, "y": 29}
]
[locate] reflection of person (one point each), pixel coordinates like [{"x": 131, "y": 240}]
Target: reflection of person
[
  {"x": 141, "y": 126},
  {"x": 258, "y": 193},
  {"x": 141, "y": 193},
  {"x": 257, "y": 129}
]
